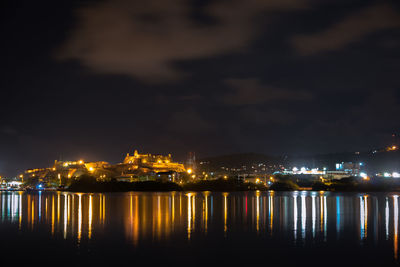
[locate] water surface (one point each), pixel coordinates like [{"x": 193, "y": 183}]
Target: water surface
[{"x": 253, "y": 228}]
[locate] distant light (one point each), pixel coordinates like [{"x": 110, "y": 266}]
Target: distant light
[
  {"x": 386, "y": 174},
  {"x": 189, "y": 171},
  {"x": 295, "y": 169},
  {"x": 396, "y": 175},
  {"x": 363, "y": 175}
]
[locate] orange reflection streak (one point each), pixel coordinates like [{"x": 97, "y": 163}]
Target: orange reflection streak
[
  {"x": 90, "y": 217},
  {"x": 159, "y": 217},
  {"x": 69, "y": 208},
  {"x": 65, "y": 215},
  {"x": 79, "y": 217},
  {"x": 225, "y": 194},
  {"x": 206, "y": 194},
  {"x": 180, "y": 205},
  {"x": 58, "y": 209},
  {"x": 29, "y": 209},
  {"x": 321, "y": 211},
  {"x": 189, "y": 215},
  {"x": 136, "y": 222},
  {"x": 395, "y": 226},
  {"x": 173, "y": 209},
  {"x": 104, "y": 208},
  {"x": 194, "y": 211},
  {"x": 167, "y": 215},
  {"x": 20, "y": 211},
  {"x": 52, "y": 215},
  {"x": 271, "y": 210},
  {"x": 100, "y": 207},
  {"x": 45, "y": 210},
  {"x": 33, "y": 212},
  {"x": 257, "y": 211}
]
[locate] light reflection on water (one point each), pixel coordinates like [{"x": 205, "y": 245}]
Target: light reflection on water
[{"x": 297, "y": 217}]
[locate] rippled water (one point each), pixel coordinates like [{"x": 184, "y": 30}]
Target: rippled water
[{"x": 269, "y": 228}]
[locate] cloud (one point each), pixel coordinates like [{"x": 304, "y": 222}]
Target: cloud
[
  {"x": 272, "y": 116},
  {"x": 8, "y": 130},
  {"x": 144, "y": 39},
  {"x": 189, "y": 121},
  {"x": 252, "y": 92},
  {"x": 349, "y": 30}
]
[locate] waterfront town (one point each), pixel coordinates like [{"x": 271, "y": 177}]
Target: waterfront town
[{"x": 248, "y": 168}]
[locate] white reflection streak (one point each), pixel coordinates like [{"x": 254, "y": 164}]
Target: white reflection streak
[
  {"x": 295, "y": 216},
  {"x": 395, "y": 226},
  {"x": 40, "y": 205},
  {"x": 313, "y": 203},
  {"x": 361, "y": 218},
  {"x": 303, "y": 216},
  {"x": 337, "y": 215},
  {"x": 387, "y": 218},
  {"x": 271, "y": 211},
  {"x": 325, "y": 219}
]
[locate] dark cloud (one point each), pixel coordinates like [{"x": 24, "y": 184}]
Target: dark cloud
[
  {"x": 348, "y": 30},
  {"x": 144, "y": 39},
  {"x": 271, "y": 117},
  {"x": 189, "y": 121},
  {"x": 252, "y": 92}
]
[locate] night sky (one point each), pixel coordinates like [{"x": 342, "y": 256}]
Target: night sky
[{"x": 97, "y": 79}]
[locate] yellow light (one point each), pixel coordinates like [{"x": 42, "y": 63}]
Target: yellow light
[
  {"x": 225, "y": 177},
  {"x": 21, "y": 176},
  {"x": 80, "y": 162},
  {"x": 189, "y": 171},
  {"x": 91, "y": 169},
  {"x": 257, "y": 180}
]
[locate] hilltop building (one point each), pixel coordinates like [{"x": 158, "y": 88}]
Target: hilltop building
[{"x": 147, "y": 166}]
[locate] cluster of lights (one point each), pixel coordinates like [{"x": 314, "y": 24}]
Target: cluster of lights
[{"x": 393, "y": 174}]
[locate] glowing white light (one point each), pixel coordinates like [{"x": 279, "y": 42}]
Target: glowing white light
[
  {"x": 396, "y": 175},
  {"x": 363, "y": 174},
  {"x": 386, "y": 174}
]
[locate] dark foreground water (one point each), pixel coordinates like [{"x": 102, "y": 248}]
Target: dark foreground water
[{"x": 193, "y": 229}]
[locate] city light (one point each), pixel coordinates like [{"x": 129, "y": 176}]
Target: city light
[{"x": 189, "y": 171}]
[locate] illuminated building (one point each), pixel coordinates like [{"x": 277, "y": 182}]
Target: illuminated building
[
  {"x": 134, "y": 166},
  {"x": 151, "y": 163}
]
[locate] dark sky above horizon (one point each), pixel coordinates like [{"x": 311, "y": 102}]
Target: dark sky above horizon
[{"x": 97, "y": 79}]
